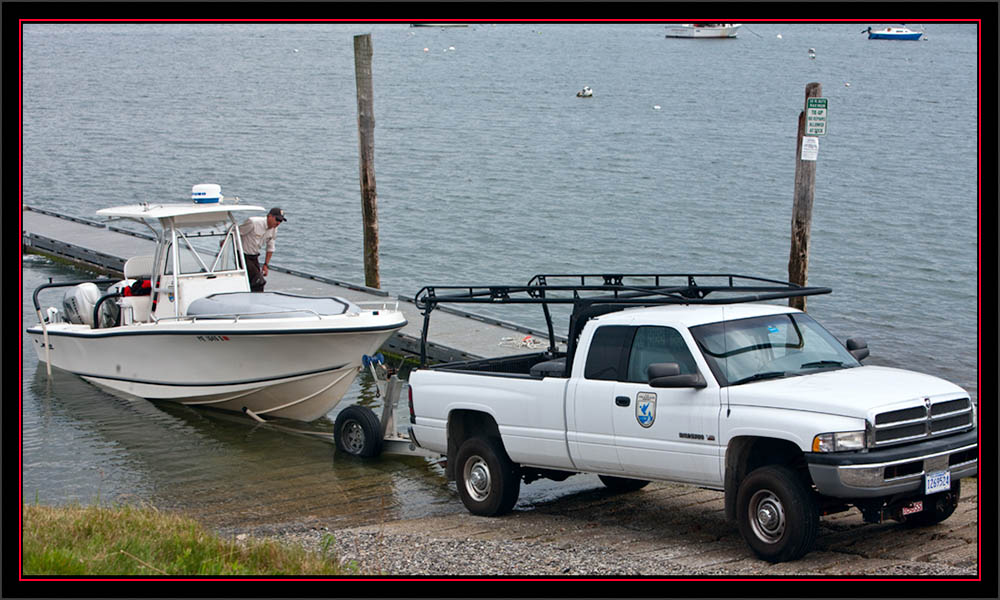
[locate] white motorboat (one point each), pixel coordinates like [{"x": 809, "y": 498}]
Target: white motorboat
[
  {"x": 183, "y": 325},
  {"x": 703, "y": 30},
  {"x": 586, "y": 92}
]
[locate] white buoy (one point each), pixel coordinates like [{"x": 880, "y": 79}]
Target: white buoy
[
  {"x": 295, "y": 49},
  {"x": 778, "y": 36}
]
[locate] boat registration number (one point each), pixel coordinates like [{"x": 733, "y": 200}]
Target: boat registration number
[{"x": 937, "y": 482}]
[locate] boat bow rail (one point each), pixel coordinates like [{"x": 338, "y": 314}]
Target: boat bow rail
[{"x": 593, "y": 294}]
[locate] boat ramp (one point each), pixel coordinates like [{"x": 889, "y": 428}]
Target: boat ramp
[{"x": 454, "y": 335}]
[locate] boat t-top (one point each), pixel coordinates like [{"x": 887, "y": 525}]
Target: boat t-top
[{"x": 183, "y": 325}]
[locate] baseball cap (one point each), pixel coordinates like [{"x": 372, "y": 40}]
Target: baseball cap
[{"x": 278, "y": 214}]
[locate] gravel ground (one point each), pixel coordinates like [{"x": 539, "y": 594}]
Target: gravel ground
[
  {"x": 665, "y": 529},
  {"x": 408, "y": 554},
  {"x": 422, "y": 555}
]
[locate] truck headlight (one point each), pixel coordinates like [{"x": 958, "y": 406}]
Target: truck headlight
[{"x": 839, "y": 442}]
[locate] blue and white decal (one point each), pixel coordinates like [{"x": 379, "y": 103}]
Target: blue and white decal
[{"x": 645, "y": 408}]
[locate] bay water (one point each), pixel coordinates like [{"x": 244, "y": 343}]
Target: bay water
[{"x": 489, "y": 170}]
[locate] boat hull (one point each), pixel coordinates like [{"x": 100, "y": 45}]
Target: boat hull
[
  {"x": 296, "y": 369},
  {"x": 895, "y": 36}
]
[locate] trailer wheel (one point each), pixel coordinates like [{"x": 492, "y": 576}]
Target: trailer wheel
[
  {"x": 357, "y": 432},
  {"x": 488, "y": 482},
  {"x": 937, "y": 507},
  {"x": 777, "y": 514},
  {"x": 622, "y": 484}
]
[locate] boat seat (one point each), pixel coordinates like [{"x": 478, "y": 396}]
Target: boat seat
[
  {"x": 266, "y": 305},
  {"x": 138, "y": 267},
  {"x": 549, "y": 368}
]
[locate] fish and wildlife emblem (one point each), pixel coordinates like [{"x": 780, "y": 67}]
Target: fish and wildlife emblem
[{"x": 645, "y": 408}]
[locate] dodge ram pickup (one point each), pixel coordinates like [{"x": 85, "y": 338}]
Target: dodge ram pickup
[{"x": 710, "y": 385}]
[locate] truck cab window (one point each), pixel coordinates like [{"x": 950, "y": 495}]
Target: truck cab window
[
  {"x": 787, "y": 345},
  {"x": 658, "y": 345},
  {"x": 607, "y": 355}
]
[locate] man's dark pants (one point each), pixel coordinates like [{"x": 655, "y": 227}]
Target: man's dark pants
[{"x": 257, "y": 280}]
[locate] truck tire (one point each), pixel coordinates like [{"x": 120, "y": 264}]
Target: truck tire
[
  {"x": 937, "y": 507},
  {"x": 357, "y": 432},
  {"x": 777, "y": 514},
  {"x": 622, "y": 484},
  {"x": 488, "y": 482}
]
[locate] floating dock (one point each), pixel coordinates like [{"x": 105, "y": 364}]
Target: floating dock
[{"x": 454, "y": 335}]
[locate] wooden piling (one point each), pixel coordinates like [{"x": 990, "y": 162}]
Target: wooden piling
[
  {"x": 366, "y": 150},
  {"x": 805, "y": 182}
]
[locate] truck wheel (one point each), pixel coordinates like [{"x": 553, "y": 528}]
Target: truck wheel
[
  {"x": 357, "y": 432},
  {"x": 487, "y": 480},
  {"x": 622, "y": 484},
  {"x": 937, "y": 507},
  {"x": 777, "y": 514}
]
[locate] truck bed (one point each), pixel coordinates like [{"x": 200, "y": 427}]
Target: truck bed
[{"x": 534, "y": 365}]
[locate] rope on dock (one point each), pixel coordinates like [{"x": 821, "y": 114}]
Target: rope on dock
[{"x": 523, "y": 342}]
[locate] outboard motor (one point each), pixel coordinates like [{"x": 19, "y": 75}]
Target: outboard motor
[{"x": 79, "y": 301}]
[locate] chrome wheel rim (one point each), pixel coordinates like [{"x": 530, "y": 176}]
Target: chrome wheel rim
[
  {"x": 354, "y": 437},
  {"x": 476, "y": 475},
  {"x": 767, "y": 516}
]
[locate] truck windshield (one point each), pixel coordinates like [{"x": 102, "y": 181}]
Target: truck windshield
[{"x": 774, "y": 346}]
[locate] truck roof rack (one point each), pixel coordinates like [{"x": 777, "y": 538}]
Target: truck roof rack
[{"x": 593, "y": 294}]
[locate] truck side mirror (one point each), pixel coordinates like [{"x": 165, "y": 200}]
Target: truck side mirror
[
  {"x": 858, "y": 348},
  {"x": 668, "y": 375}
]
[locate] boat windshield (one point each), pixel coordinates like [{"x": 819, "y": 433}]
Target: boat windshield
[
  {"x": 769, "y": 347},
  {"x": 198, "y": 256}
]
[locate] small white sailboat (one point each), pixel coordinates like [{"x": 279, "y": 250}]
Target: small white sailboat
[{"x": 703, "y": 30}]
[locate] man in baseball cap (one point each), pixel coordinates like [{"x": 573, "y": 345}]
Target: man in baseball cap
[{"x": 260, "y": 232}]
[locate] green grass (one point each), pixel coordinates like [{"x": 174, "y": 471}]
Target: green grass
[{"x": 126, "y": 540}]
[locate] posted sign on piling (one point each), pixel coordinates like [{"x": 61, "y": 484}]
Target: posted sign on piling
[{"x": 815, "y": 116}]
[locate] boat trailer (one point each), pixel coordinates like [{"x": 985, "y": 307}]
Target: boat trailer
[{"x": 357, "y": 430}]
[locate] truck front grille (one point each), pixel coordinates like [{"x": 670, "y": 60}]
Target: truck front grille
[{"x": 919, "y": 422}]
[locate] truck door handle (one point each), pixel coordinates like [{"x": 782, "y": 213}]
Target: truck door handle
[{"x": 623, "y": 400}]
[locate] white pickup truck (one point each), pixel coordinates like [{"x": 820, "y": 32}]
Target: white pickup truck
[{"x": 700, "y": 384}]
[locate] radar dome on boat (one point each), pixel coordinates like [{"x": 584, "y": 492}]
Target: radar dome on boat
[{"x": 206, "y": 193}]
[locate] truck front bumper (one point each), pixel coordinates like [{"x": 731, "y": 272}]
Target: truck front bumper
[{"x": 896, "y": 470}]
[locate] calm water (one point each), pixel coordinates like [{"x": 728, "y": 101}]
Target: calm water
[{"x": 490, "y": 170}]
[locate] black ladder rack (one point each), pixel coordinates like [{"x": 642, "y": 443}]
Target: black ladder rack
[{"x": 594, "y": 294}]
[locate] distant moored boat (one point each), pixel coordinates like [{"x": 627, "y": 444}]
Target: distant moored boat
[
  {"x": 893, "y": 33},
  {"x": 703, "y": 30}
]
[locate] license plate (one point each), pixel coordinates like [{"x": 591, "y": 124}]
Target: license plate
[
  {"x": 937, "y": 482},
  {"x": 913, "y": 507}
]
